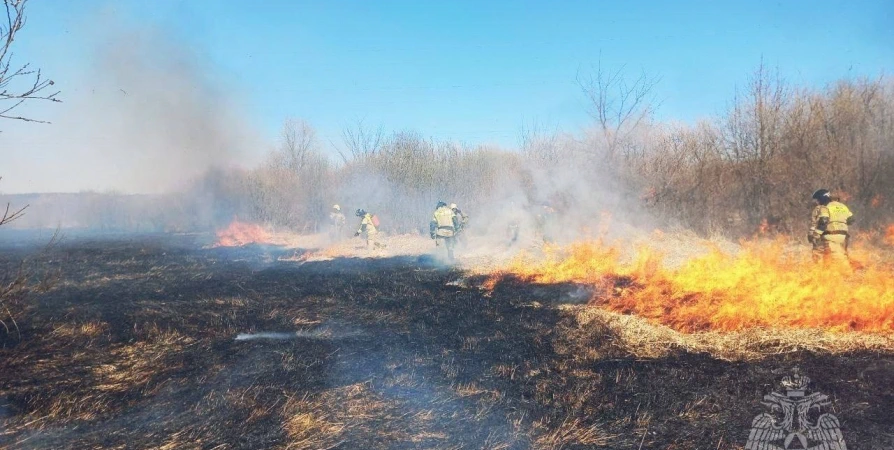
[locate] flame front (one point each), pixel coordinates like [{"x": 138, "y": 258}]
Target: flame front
[
  {"x": 762, "y": 286},
  {"x": 241, "y": 233},
  {"x": 889, "y": 235},
  {"x": 764, "y": 227}
]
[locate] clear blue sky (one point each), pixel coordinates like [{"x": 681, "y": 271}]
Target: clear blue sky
[{"x": 477, "y": 71}]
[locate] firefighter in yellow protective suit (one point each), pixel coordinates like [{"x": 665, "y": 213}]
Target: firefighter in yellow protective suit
[
  {"x": 336, "y": 223},
  {"x": 829, "y": 224},
  {"x": 546, "y": 223},
  {"x": 369, "y": 227},
  {"x": 443, "y": 226},
  {"x": 463, "y": 220}
]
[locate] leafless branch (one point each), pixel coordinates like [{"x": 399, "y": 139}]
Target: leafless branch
[
  {"x": 11, "y": 214},
  {"x": 35, "y": 89},
  {"x": 299, "y": 140},
  {"x": 28, "y": 279},
  {"x": 361, "y": 141},
  {"x": 618, "y": 107},
  {"x": 540, "y": 142}
]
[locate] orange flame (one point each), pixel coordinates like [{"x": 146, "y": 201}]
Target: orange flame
[
  {"x": 876, "y": 201},
  {"x": 889, "y": 235},
  {"x": 764, "y": 227},
  {"x": 241, "y": 233},
  {"x": 763, "y": 286}
]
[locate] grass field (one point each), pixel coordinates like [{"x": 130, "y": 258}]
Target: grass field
[{"x": 160, "y": 341}]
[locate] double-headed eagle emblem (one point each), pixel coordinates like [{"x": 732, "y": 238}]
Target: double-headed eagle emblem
[{"x": 792, "y": 425}]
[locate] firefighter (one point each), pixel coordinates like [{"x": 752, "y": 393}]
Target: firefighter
[
  {"x": 443, "y": 226},
  {"x": 463, "y": 221},
  {"x": 336, "y": 223},
  {"x": 513, "y": 226},
  {"x": 829, "y": 228},
  {"x": 368, "y": 226},
  {"x": 545, "y": 220}
]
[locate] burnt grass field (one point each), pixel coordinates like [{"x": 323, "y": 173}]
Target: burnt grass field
[{"x": 135, "y": 346}]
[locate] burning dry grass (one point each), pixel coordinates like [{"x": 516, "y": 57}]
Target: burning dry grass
[
  {"x": 764, "y": 286},
  {"x": 390, "y": 354},
  {"x": 241, "y": 233},
  {"x": 480, "y": 252},
  {"x": 324, "y": 250}
]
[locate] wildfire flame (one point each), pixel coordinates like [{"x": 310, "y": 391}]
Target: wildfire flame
[
  {"x": 889, "y": 235},
  {"x": 764, "y": 227},
  {"x": 241, "y": 233},
  {"x": 762, "y": 286}
]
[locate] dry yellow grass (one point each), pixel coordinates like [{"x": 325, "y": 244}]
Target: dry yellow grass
[
  {"x": 570, "y": 432},
  {"x": 136, "y": 364},
  {"x": 323, "y": 421},
  {"x": 89, "y": 329},
  {"x": 649, "y": 340}
]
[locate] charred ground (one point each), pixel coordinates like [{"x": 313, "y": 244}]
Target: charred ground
[{"x": 135, "y": 347}]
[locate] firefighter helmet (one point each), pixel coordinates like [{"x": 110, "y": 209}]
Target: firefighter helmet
[
  {"x": 336, "y": 207},
  {"x": 360, "y": 213},
  {"x": 822, "y": 194},
  {"x": 441, "y": 205}
]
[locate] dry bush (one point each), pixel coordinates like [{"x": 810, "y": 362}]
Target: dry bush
[
  {"x": 294, "y": 183},
  {"x": 756, "y": 164},
  {"x": 404, "y": 179},
  {"x": 775, "y": 146},
  {"x": 17, "y": 284},
  {"x": 752, "y": 168}
]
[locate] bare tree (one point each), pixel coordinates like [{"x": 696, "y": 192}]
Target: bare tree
[
  {"x": 299, "y": 140},
  {"x": 10, "y": 97},
  {"x": 31, "y": 81},
  {"x": 361, "y": 141},
  {"x": 617, "y": 105},
  {"x": 752, "y": 133},
  {"x": 19, "y": 84},
  {"x": 540, "y": 143}
]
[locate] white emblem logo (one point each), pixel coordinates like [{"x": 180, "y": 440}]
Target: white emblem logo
[{"x": 795, "y": 422}]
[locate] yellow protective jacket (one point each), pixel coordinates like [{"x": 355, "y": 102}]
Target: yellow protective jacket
[
  {"x": 830, "y": 220},
  {"x": 444, "y": 222},
  {"x": 366, "y": 224},
  {"x": 337, "y": 219},
  {"x": 462, "y": 219}
]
